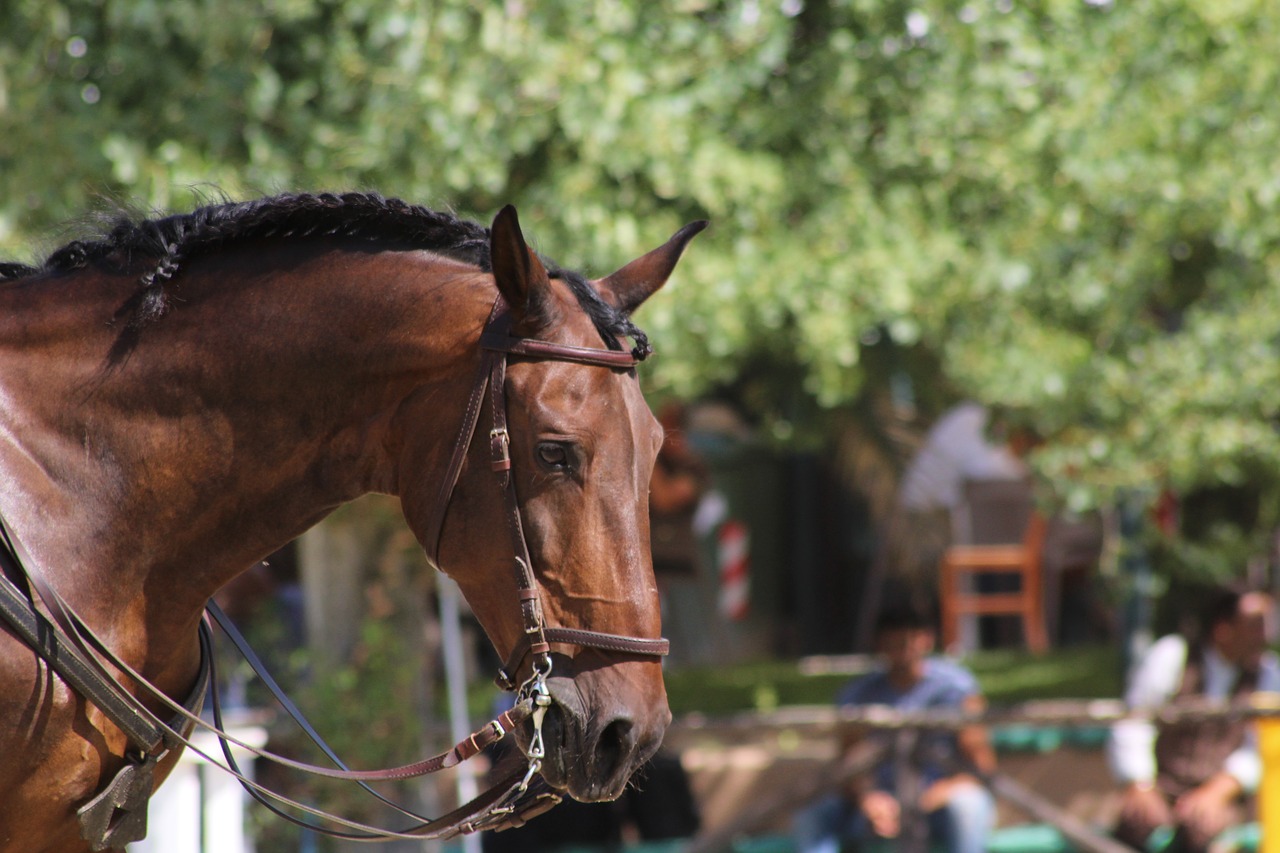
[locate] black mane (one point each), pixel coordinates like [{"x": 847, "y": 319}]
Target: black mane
[{"x": 368, "y": 217}]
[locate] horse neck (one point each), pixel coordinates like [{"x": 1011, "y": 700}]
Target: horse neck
[{"x": 142, "y": 480}]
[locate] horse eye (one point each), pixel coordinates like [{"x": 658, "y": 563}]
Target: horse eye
[{"x": 554, "y": 456}]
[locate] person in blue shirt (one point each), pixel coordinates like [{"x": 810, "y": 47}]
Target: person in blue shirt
[{"x": 959, "y": 810}]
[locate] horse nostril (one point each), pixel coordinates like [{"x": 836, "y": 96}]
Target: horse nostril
[{"x": 614, "y": 747}]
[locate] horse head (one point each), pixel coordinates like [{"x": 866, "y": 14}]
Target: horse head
[{"x": 582, "y": 445}]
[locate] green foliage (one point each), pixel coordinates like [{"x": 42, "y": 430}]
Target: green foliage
[
  {"x": 369, "y": 711},
  {"x": 1070, "y": 204}
]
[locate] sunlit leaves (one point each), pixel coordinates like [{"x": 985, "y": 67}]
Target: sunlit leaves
[{"x": 1074, "y": 204}]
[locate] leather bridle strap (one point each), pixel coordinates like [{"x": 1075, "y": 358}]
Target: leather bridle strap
[
  {"x": 618, "y": 643},
  {"x": 467, "y": 748},
  {"x": 508, "y": 803},
  {"x": 496, "y": 344},
  {"x": 470, "y": 418},
  {"x": 530, "y": 348}
]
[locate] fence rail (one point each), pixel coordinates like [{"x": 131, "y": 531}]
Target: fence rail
[
  {"x": 1049, "y": 712},
  {"x": 827, "y": 720}
]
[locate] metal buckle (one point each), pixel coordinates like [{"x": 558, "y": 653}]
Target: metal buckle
[
  {"x": 499, "y": 449},
  {"x": 534, "y": 690}
]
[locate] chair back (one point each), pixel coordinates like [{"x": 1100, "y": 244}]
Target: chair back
[{"x": 994, "y": 512}]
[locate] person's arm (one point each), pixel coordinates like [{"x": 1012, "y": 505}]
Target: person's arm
[
  {"x": 1241, "y": 772},
  {"x": 975, "y": 741},
  {"x": 1244, "y": 766},
  {"x": 880, "y": 807},
  {"x": 1131, "y": 747},
  {"x": 974, "y": 745}
]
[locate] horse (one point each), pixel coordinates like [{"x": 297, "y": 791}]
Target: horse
[{"x": 180, "y": 396}]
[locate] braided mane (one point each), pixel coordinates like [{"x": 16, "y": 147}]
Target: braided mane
[{"x": 367, "y": 217}]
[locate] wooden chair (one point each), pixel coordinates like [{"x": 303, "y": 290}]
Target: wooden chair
[{"x": 998, "y": 533}]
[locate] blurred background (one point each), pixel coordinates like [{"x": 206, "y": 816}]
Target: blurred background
[{"x": 1031, "y": 241}]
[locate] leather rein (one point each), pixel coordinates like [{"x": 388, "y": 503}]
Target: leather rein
[{"x": 117, "y": 815}]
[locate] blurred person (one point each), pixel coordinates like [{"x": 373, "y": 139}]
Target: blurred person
[
  {"x": 679, "y": 481},
  {"x": 1195, "y": 778},
  {"x": 966, "y": 443},
  {"x": 679, "y": 496},
  {"x": 960, "y": 811}
]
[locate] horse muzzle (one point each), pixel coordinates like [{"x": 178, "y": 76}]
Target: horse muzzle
[{"x": 598, "y": 734}]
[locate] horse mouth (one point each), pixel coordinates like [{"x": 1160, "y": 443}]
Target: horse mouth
[{"x": 591, "y": 764}]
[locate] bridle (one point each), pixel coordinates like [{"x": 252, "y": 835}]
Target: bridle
[
  {"x": 117, "y": 815},
  {"x": 496, "y": 343}
]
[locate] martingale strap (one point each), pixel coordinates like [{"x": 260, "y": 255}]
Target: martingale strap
[{"x": 118, "y": 814}]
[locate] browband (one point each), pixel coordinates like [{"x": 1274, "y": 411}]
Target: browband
[{"x": 533, "y": 348}]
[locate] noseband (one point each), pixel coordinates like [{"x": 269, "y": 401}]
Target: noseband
[{"x": 496, "y": 343}]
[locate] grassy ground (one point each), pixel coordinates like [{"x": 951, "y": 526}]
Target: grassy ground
[{"x": 1007, "y": 676}]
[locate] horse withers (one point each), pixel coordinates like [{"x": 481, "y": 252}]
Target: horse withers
[{"x": 184, "y": 395}]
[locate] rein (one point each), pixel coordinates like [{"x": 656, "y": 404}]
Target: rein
[{"x": 117, "y": 815}]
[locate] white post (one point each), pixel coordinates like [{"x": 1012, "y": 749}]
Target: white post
[
  {"x": 455, "y": 669},
  {"x": 201, "y": 808}
]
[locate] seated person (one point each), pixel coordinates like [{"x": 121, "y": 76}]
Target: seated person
[
  {"x": 959, "y": 809},
  {"x": 1194, "y": 777}
]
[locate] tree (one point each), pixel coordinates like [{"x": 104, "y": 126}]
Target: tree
[{"x": 1069, "y": 205}]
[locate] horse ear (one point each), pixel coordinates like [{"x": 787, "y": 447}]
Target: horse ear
[
  {"x": 627, "y": 288},
  {"x": 521, "y": 278}
]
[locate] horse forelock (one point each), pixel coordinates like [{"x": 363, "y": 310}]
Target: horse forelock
[
  {"x": 173, "y": 240},
  {"x": 609, "y": 321}
]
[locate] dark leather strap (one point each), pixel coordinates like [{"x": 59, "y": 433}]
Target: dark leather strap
[
  {"x": 642, "y": 646},
  {"x": 473, "y": 744},
  {"x": 531, "y": 617},
  {"x": 531, "y": 348},
  {"x": 496, "y": 343},
  {"x": 510, "y": 801},
  {"x": 187, "y": 717},
  {"x": 466, "y": 434},
  {"x": 65, "y": 649},
  {"x": 117, "y": 815},
  {"x": 63, "y": 658}
]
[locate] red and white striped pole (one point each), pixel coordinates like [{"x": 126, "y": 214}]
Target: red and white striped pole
[{"x": 733, "y": 554}]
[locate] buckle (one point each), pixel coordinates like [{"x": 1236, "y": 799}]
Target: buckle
[{"x": 499, "y": 449}]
